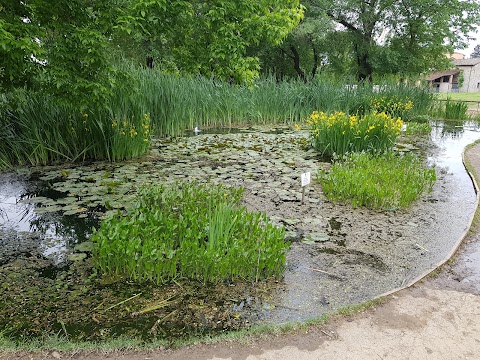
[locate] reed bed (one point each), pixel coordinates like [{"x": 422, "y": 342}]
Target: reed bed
[
  {"x": 39, "y": 129},
  {"x": 189, "y": 231},
  {"x": 389, "y": 181}
]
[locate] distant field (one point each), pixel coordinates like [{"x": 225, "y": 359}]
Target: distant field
[{"x": 460, "y": 96}]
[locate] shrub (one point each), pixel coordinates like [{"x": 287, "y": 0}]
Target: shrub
[
  {"x": 388, "y": 181},
  {"x": 339, "y": 133},
  {"x": 418, "y": 128},
  {"x": 189, "y": 231}
]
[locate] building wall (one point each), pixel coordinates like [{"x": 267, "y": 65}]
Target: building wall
[
  {"x": 471, "y": 78},
  {"x": 445, "y": 87}
]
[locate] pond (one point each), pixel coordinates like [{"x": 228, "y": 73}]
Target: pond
[{"x": 339, "y": 255}]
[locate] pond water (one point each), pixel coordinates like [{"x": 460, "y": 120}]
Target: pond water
[{"x": 339, "y": 255}]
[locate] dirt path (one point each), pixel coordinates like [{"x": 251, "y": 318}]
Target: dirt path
[{"x": 438, "y": 318}]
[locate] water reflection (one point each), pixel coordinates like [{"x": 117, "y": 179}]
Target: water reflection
[
  {"x": 58, "y": 233},
  {"x": 451, "y": 138}
]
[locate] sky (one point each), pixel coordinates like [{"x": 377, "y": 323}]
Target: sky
[{"x": 475, "y": 41}]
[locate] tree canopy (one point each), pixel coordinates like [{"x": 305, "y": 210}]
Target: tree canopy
[
  {"x": 381, "y": 36},
  {"x": 70, "y": 45},
  {"x": 476, "y": 52}
]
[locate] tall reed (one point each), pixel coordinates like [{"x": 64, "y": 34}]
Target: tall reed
[{"x": 40, "y": 129}]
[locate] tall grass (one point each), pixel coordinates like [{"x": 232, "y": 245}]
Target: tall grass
[
  {"x": 452, "y": 110},
  {"x": 178, "y": 103},
  {"x": 39, "y": 129},
  {"x": 189, "y": 231},
  {"x": 456, "y": 110},
  {"x": 389, "y": 181}
]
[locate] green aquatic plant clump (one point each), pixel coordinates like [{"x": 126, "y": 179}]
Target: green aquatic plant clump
[
  {"x": 189, "y": 231},
  {"x": 339, "y": 133},
  {"x": 416, "y": 128},
  {"x": 389, "y": 181}
]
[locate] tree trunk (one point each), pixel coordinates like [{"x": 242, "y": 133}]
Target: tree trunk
[
  {"x": 296, "y": 63},
  {"x": 315, "y": 61},
  {"x": 149, "y": 62},
  {"x": 365, "y": 70}
]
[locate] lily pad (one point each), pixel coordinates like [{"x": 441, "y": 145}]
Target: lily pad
[
  {"x": 75, "y": 211},
  {"x": 34, "y": 200},
  {"x": 77, "y": 257},
  {"x": 86, "y": 246},
  {"x": 47, "y": 209}
]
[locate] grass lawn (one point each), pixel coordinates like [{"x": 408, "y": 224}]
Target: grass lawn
[{"x": 461, "y": 96}]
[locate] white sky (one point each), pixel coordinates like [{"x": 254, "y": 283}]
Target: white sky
[{"x": 475, "y": 41}]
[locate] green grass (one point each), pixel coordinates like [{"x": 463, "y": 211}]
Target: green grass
[
  {"x": 459, "y": 96},
  {"x": 189, "y": 231},
  {"x": 389, "y": 181}
]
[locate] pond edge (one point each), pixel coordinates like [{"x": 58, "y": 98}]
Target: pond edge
[{"x": 471, "y": 173}]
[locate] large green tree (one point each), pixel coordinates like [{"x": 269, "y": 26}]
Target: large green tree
[
  {"x": 209, "y": 37},
  {"x": 405, "y": 36},
  {"x": 417, "y": 33},
  {"x": 62, "y": 45},
  {"x": 301, "y": 54},
  {"x": 68, "y": 46}
]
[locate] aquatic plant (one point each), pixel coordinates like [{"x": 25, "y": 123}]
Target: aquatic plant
[
  {"x": 388, "y": 181},
  {"x": 39, "y": 129},
  {"x": 189, "y": 230},
  {"x": 394, "y": 106},
  {"x": 417, "y": 128},
  {"x": 339, "y": 133},
  {"x": 456, "y": 110}
]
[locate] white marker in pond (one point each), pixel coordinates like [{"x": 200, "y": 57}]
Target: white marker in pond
[{"x": 305, "y": 177}]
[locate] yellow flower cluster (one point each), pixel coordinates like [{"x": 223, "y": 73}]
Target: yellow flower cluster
[
  {"x": 340, "y": 133},
  {"x": 127, "y": 128},
  {"x": 393, "y": 106}
]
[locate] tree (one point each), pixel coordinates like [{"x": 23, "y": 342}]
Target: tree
[
  {"x": 476, "y": 52},
  {"x": 209, "y": 37},
  {"x": 61, "y": 45},
  {"x": 415, "y": 33}
]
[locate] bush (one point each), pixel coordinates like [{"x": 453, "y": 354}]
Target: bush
[
  {"x": 339, "y": 133},
  {"x": 189, "y": 231},
  {"x": 418, "y": 128},
  {"x": 388, "y": 181}
]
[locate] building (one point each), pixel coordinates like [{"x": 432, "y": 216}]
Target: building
[
  {"x": 456, "y": 56},
  {"x": 464, "y": 78},
  {"x": 444, "y": 81},
  {"x": 470, "y": 69}
]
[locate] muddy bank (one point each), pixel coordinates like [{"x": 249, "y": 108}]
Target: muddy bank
[{"x": 339, "y": 255}]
